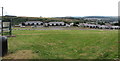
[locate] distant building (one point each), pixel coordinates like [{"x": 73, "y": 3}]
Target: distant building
[
  {"x": 94, "y": 19},
  {"x": 56, "y": 24},
  {"x": 85, "y": 25},
  {"x": 39, "y": 23},
  {"x": 114, "y": 22},
  {"x": 98, "y": 26},
  {"x": 32, "y": 23}
]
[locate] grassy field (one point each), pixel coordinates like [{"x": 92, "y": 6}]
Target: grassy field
[{"x": 63, "y": 44}]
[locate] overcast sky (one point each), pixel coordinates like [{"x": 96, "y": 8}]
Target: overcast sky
[{"x": 58, "y": 8}]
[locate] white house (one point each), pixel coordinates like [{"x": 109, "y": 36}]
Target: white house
[
  {"x": 56, "y": 23},
  {"x": 33, "y": 23}
]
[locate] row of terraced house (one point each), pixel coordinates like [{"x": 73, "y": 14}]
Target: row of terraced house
[{"x": 63, "y": 24}]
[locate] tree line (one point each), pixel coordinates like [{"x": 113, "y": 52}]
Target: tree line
[{"x": 17, "y": 20}]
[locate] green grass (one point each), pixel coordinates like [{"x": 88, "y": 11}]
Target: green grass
[{"x": 67, "y": 44}]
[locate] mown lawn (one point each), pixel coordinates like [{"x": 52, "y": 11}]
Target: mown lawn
[{"x": 66, "y": 44}]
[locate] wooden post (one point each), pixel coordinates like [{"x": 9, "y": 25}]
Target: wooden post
[
  {"x": 10, "y": 27},
  {"x": 2, "y": 23}
]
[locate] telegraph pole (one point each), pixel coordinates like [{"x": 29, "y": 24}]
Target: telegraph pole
[{"x": 2, "y": 23}]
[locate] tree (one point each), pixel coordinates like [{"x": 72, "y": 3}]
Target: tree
[
  {"x": 23, "y": 23},
  {"x": 116, "y": 24}
]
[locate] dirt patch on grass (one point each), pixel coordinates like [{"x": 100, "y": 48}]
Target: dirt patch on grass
[{"x": 22, "y": 54}]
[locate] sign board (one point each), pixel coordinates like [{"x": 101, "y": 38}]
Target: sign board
[
  {"x": 6, "y": 27},
  {"x": 6, "y": 24}
]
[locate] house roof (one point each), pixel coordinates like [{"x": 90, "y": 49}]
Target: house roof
[
  {"x": 56, "y": 22},
  {"x": 33, "y": 22}
]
